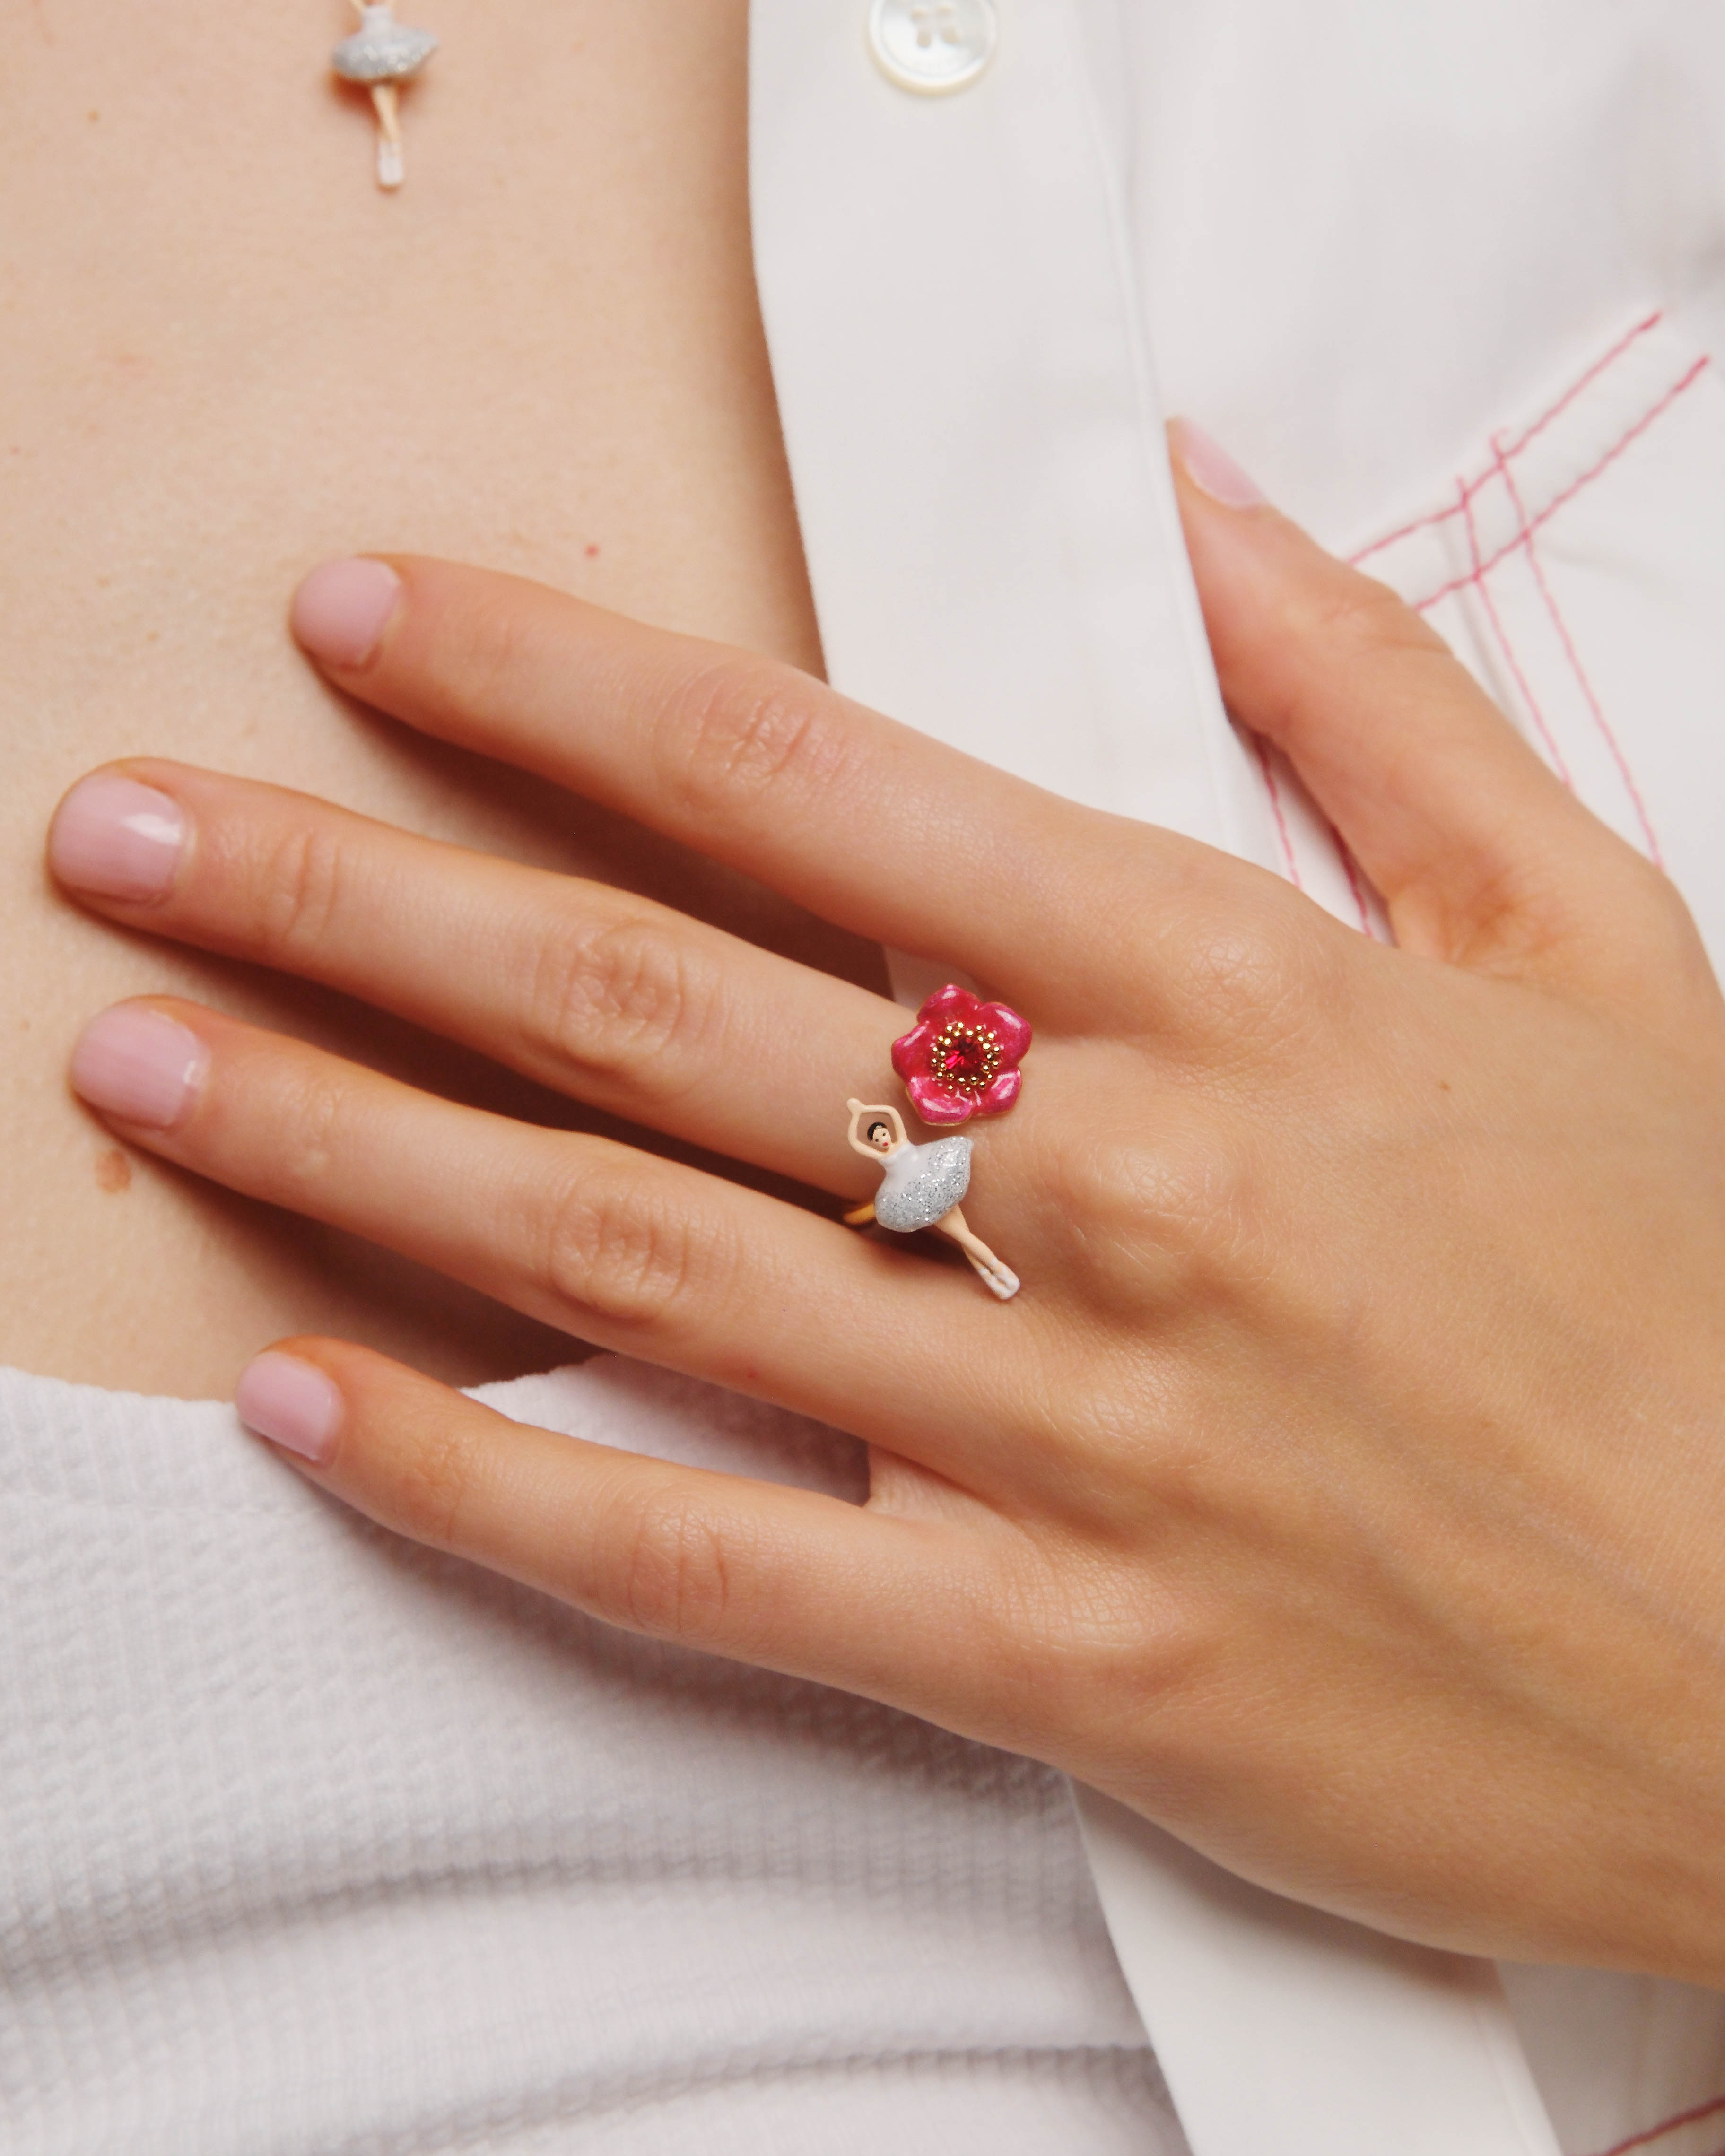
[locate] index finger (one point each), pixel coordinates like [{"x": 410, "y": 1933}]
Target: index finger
[{"x": 868, "y": 823}]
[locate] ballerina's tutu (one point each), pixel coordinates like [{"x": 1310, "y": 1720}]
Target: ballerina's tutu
[
  {"x": 920, "y": 1184},
  {"x": 382, "y": 49}
]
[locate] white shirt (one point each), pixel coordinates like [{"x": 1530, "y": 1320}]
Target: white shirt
[
  {"x": 315, "y": 1842},
  {"x": 1443, "y": 274}
]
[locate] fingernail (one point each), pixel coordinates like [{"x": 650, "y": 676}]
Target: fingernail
[
  {"x": 134, "y": 1062},
  {"x": 1212, "y": 470},
  {"x": 341, "y": 610},
  {"x": 116, "y": 839},
  {"x": 290, "y": 1402}
]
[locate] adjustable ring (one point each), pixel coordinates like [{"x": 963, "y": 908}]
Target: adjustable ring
[{"x": 960, "y": 1060}]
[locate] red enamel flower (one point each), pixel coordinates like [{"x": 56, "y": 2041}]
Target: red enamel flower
[{"x": 961, "y": 1058}]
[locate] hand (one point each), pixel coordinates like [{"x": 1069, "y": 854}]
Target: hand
[{"x": 1346, "y": 1489}]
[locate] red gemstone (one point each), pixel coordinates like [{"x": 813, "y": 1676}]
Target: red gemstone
[{"x": 966, "y": 1060}]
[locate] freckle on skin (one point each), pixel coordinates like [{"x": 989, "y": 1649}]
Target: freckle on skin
[{"x": 113, "y": 1170}]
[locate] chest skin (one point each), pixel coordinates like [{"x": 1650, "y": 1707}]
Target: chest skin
[{"x": 229, "y": 356}]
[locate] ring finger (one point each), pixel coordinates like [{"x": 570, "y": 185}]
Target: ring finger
[{"x": 614, "y": 1245}]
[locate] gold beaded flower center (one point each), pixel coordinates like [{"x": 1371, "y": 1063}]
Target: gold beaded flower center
[{"x": 965, "y": 1057}]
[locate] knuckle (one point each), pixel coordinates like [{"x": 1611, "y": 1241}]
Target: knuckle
[
  {"x": 1254, "y": 978},
  {"x": 1232, "y": 972},
  {"x": 302, "y": 884},
  {"x": 623, "y": 999},
  {"x": 675, "y": 1579},
  {"x": 622, "y": 1252},
  {"x": 312, "y": 1135},
  {"x": 1107, "y": 1630},
  {"x": 486, "y": 646},
  {"x": 742, "y": 733},
  {"x": 1340, "y": 624},
  {"x": 1359, "y": 615},
  {"x": 1165, "y": 1223},
  {"x": 1160, "y": 1644},
  {"x": 1192, "y": 1187},
  {"x": 434, "y": 1483}
]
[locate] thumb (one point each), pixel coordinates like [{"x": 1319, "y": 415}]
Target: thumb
[{"x": 1483, "y": 857}]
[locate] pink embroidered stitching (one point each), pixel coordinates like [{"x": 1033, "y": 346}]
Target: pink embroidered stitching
[
  {"x": 1573, "y": 656},
  {"x": 1538, "y": 426},
  {"x": 1281, "y": 821},
  {"x": 1520, "y": 539},
  {"x": 1502, "y": 454},
  {"x": 1498, "y": 630},
  {"x": 1668, "y": 2126},
  {"x": 1586, "y": 381}
]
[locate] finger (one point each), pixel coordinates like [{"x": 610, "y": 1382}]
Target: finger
[
  {"x": 1481, "y": 853},
  {"x": 619, "y": 1248},
  {"x": 622, "y": 1003},
  {"x": 789, "y": 1579},
  {"x": 869, "y": 823}
]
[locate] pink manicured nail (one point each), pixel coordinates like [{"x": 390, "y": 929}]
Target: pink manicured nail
[
  {"x": 290, "y": 1402},
  {"x": 1209, "y": 467},
  {"x": 135, "y": 1063},
  {"x": 116, "y": 839},
  {"x": 340, "y": 610}
]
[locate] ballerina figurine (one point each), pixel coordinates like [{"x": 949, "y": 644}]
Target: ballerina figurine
[
  {"x": 381, "y": 53},
  {"x": 921, "y": 1187}
]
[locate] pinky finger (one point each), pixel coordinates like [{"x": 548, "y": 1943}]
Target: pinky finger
[{"x": 789, "y": 1580}]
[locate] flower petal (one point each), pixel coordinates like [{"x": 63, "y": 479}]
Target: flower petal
[
  {"x": 949, "y": 1002},
  {"x": 1001, "y": 1094},
  {"x": 936, "y": 1105},
  {"x": 910, "y": 1051},
  {"x": 1011, "y": 1031}
]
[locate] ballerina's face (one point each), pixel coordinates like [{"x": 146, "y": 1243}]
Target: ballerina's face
[{"x": 875, "y": 1128}]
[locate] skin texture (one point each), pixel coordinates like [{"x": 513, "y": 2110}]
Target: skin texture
[
  {"x": 1342, "y": 1490},
  {"x": 227, "y": 355}
]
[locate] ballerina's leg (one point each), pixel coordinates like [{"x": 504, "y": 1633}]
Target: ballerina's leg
[
  {"x": 387, "y": 104},
  {"x": 998, "y": 1278}
]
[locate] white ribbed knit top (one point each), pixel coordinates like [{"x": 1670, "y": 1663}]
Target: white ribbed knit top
[{"x": 315, "y": 1844}]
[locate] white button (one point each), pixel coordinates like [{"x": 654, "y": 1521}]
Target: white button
[{"x": 933, "y": 45}]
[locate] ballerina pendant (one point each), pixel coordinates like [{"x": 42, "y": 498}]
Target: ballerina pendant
[{"x": 382, "y": 53}]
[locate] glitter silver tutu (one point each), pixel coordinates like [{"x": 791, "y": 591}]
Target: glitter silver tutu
[
  {"x": 920, "y": 1184},
  {"x": 382, "y": 49}
]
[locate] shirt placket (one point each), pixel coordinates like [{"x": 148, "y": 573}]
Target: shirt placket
[{"x": 995, "y": 551}]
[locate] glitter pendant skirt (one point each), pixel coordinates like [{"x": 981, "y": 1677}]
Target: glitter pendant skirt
[
  {"x": 921, "y": 1184},
  {"x": 386, "y": 53}
]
